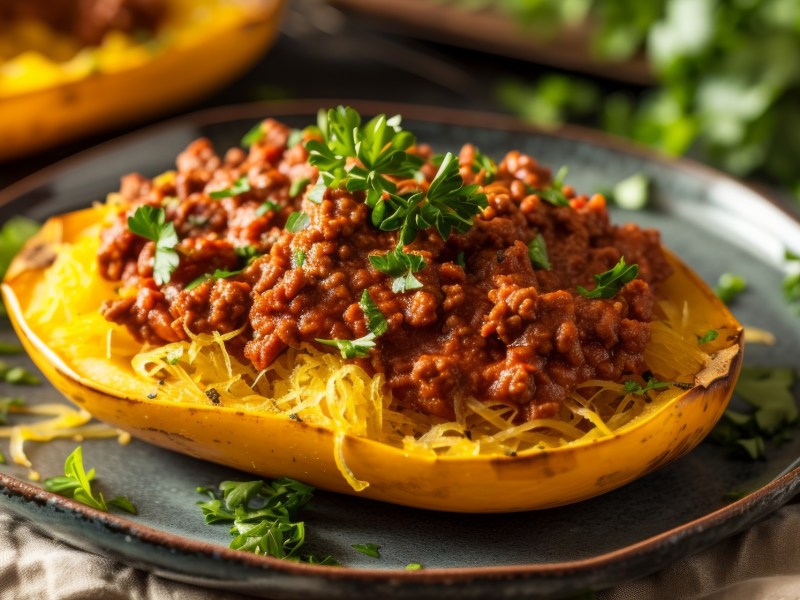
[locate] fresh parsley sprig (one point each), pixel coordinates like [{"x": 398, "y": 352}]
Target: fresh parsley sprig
[
  {"x": 360, "y": 157},
  {"x": 729, "y": 286},
  {"x": 76, "y": 484},
  {"x": 447, "y": 206},
  {"x": 263, "y": 516},
  {"x": 610, "y": 282},
  {"x": 240, "y": 186},
  {"x": 634, "y": 387},
  {"x": 537, "y": 251},
  {"x": 150, "y": 223},
  {"x": 217, "y": 274},
  {"x": 371, "y": 550},
  {"x": 401, "y": 266},
  {"x": 376, "y": 324}
]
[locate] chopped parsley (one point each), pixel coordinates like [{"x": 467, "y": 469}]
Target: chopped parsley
[
  {"x": 298, "y": 259},
  {"x": 6, "y": 404},
  {"x": 537, "y": 251},
  {"x": 217, "y": 274},
  {"x": 767, "y": 393},
  {"x": 254, "y": 135},
  {"x": 295, "y": 137},
  {"x": 317, "y": 193},
  {"x": 240, "y": 186},
  {"x": 368, "y": 549},
  {"x": 76, "y": 484},
  {"x": 708, "y": 336},
  {"x": 298, "y": 185},
  {"x": 612, "y": 281},
  {"x": 401, "y": 266},
  {"x": 482, "y": 162},
  {"x": 413, "y": 567},
  {"x": 149, "y": 223},
  {"x": 632, "y": 193},
  {"x": 634, "y": 387},
  {"x": 380, "y": 149},
  {"x": 297, "y": 221},
  {"x": 174, "y": 356},
  {"x": 554, "y": 194},
  {"x": 376, "y": 324},
  {"x": 263, "y": 516},
  {"x": 729, "y": 286},
  {"x": 17, "y": 375},
  {"x": 267, "y": 206}
]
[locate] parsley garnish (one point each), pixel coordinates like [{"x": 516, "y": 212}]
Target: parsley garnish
[
  {"x": 255, "y": 135},
  {"x": 263, "y": 516},
  {"x": 460, "y": 260},
  {"x": 149, "y": 223},
  {"x": 217, "y": 274},
  {"x": 7, "y": 348},
  {"x": 6, "y": 403},
  {"x": 248, "y": 252},
  {"x": 240, "y": 186},
  {"x": 298, "y": 185},
  {"x": 767, "y": 391},
  {"x": 791, "y": 283},
  {"x": 634, "y": 387},
  {"x": 554, "y": 194},
  {"x": 376, "y": 322},
  {"x": 174, "y": 356},
  {"x": 297, "y": 221},
  {"x": 612, "y": 281},
  {"x": 76, "y": 484},
  {"x": 298, "y": 258},
  {"x": 537, "y": 251},
  {"x": 317, "y": 193},
  {"x": 17, "y": 375},
  {"x": 295, "y": 137},
  {"x": 401, "y": 266},
  {"x": 729, "y": 286},
  {"x": 481, "y": 161},
  {"x": 368, "y": 549},
  {"x": 380, "y": 146},
  {"x": 413, "y": 567},
  {"x": 358, "y": 348},
  {"x": 708, "y": 336},
  {"x": 13, "y": 235},
  {"x": 267, "y": 206}
]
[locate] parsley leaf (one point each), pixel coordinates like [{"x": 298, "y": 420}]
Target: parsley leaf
[
  {"x": 76, "y": 483},
  {"x": 767, "y": 392},
  {"x": 263, "y": 516},
  {"x": 240, "y": 186},
  {"x": 149, "y": 223},
  {"x": 17, "y": 375},
  {"x": 295, "y": 137},
  {"x": 481, "y": 161},
  {"x": 6, "y": 403},
  {"x": 267, "y": 206},
  {"x": 358, "y": 348},
  {"x": 413, "y": 567},
  {"x": 298, "y": 259},
  {"x": 368, "y": 549},
  {"x": 298, "y": 185},
  {"x": 537, "y": 251},
  {"x": 401, "y": 266},
  {"x": 217, "y": 274},
  {"x": 612, "y": 281},
  {"x": 13, "y": 235},
  {"x": 376, "y": 322},
  {"x": 634, "y": 387},
  {"x": 708, "y": 336},
  {"x": 254, "y": 135},
  {"x": 729, "y": 286},
  {"x": 297, "y": 221}
]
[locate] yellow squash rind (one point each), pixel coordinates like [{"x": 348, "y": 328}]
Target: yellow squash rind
[{"x": 275, "y": 445}]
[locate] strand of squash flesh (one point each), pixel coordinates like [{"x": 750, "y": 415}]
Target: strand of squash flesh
[{"x": 66, "y": 423}]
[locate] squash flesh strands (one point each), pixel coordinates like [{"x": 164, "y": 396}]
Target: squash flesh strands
[{"x": 320, "y": 390}]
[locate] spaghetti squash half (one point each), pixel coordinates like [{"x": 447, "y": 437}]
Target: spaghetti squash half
[{"x": 475, "y": 377}]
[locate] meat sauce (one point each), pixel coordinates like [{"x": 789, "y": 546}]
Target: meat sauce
[{"x": 485, "y": 323}]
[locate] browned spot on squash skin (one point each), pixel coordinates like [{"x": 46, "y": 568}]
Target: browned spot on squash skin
[{"x": 172, "y": 435}]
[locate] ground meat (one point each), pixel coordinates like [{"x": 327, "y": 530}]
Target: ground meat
[
  {"x": 485, "y": 323},
  {"x": 88, "y": 20}
]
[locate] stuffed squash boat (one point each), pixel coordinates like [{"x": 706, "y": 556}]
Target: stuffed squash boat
[
  {"x": 342, "y": 306},
  {"x": 69, "y": 68}
]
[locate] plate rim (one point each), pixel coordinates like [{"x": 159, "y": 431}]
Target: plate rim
[{"x": 759, "y": 503}]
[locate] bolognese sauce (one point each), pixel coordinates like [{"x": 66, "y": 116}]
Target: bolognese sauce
[{"x": 500, "y": 310}]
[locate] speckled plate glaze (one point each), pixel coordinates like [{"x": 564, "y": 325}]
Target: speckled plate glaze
[{"x": 714, "y": 223}]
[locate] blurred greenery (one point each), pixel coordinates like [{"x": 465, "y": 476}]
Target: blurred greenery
[{"x": 727, "y": 72}]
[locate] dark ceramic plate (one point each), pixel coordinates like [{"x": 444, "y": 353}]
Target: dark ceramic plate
[{"x": 714, "y": 223}]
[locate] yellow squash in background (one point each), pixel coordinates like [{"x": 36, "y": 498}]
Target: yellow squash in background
[
  {"x": 202, "y": 46},
  {"x": 273, "y": 445}
]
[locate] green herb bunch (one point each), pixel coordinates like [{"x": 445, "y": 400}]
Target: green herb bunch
[{"x": 727, "y": 85}]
